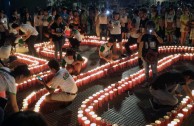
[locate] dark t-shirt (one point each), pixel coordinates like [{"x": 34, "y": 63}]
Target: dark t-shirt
[
  {"x": 58, "y": 29},
  {"x": 142, "y": 24},
  {"x": 167, "y": 79},
  {"x": 149, "y": 42}
]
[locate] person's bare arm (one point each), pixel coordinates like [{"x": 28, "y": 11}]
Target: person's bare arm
[
  {"x": 13, "y": 101},
  {"x": 188, "y": 91}
]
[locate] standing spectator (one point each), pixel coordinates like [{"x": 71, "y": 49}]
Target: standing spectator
[
  {"x": 57, "y": 29},
  {"x": 143, "y": 21},
  {"x": 76, "y": 19},
  {"x": 115, "y": 32},
  {"x": 3, "y": 27},
  {"x": 70, "y": 18},
  {"x": 84, "y": 21},
  {"x": 97, "y": 25},
  {"x": 103, "y": 21},
  {"x": 30, "y": 35},
  {"x": 27, "y": 19},
  {"x": 38, "y": 24},
  {"x": 64, "y": 14},
  {"x": 192, "y": 30},
  {"x": 150, "y": 41},
  {"x": 169, "y": 25},
  {"x": 178, "y": 24},
  {"x": 16, "y": 17},
  {"x": 124, "y": 22},
  {"x": 164, "y": 87},
  {"x": 184, "y": 19},
  {"x": 8, "y": 80},
  {"x": 62, "y": 80},
  {"x": 46, "y": 19},
  {"x": 72, "y": 62}
]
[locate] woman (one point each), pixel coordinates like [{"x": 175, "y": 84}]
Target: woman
[
  {"x": 57, "y": 29},
  {"x": 169, "y": 25},
  {"x": 184, "y": 19}
]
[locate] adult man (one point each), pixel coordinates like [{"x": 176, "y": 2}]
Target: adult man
[
  {"x": 30, "y": 36},
  {"x": 150, "y": 42},
  {"x": 64, "y": 81},
  {"x": 164, "y": 87}
]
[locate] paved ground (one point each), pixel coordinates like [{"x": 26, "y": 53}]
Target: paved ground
[{"x": 129, "y": 109}]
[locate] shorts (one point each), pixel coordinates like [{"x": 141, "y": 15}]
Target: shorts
[
  {"x": 169, "y": 31},
  {"x": 62, "y": 96},
  {"x": 117, "y": 37},
  {"x": 124, "y": 29}
]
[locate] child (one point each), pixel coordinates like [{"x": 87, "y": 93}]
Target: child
[
  {"x": 105, "y": 51},
  {"x": 75, "y": 38},
  {"x": 72, "y": 61}
]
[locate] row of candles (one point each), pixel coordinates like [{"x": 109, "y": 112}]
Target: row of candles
[
  {"x": 86, "y": 114},
  {"x": 178, "y": 115},
  {"x": 36, "y": 65},
  {"x": 91, "y": 104},
  {"x": 102, "y": 71},
  {"x": 99, "y": 72},
  {"x": 95, "y": 70},
  {"x": 176, "y": 49}
]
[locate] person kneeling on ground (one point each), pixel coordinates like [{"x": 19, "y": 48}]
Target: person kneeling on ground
[
  {"x": 75, "y": 38},
  {"x": 164, "y": 87},
  {"x": 64, "y": 81},
  {"x": 73, "y": 62},
  {"x": 106, "y": 51}
]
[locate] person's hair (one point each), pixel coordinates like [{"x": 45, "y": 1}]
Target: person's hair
[
  {"x": 111, "y": 40},
  {"x": 189, "y": 73},
  {"x": 150, "y": 24},
  {"x": 21, "y": 70},
  {"x": 54, "y": 64},
  {"x": 70, "y": 52},
  {"x": 57, "y": 16},
  {"x": 14, "y": 25},
  {"x": 102, "y": 9},
  {"x": 25, "y": 118},
  {"x": 12, "y": 58},
  {"x": 144, "y": 10},
  {"x": 136, "y": 11}
]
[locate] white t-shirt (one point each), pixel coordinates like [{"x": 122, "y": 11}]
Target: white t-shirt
[
  {"x": 7, "y": 82},
  {"x": 5, "y": 51},
  {"x": 64, "y": 81},
  {"x": 78, "y": 36},
  {"x": 105, "y": 50},
  {"x": 116, "y": 27},
  {"x": 26, "y": 27},
  {"x": 103, "y": 19}
]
